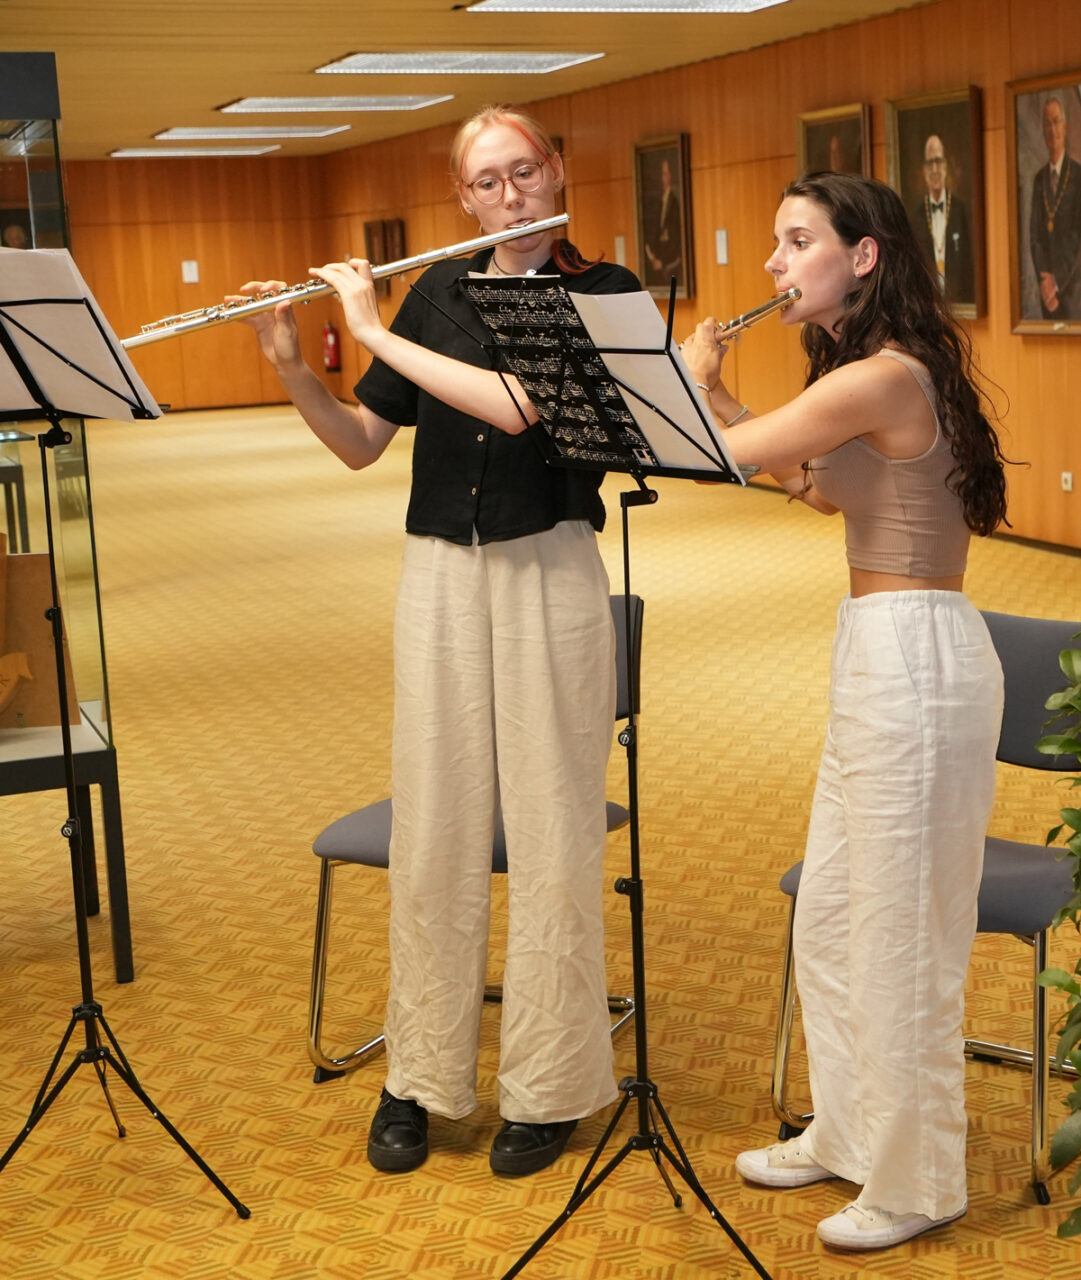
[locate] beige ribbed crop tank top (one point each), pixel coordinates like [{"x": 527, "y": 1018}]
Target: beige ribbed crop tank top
[{"x": 899, "y": 515}]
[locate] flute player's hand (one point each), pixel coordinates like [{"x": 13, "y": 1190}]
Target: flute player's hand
[
  {"x": 276, "y": 328},
  {"x": 352, "y": 282},
  {"x": 703, "y": 354}
]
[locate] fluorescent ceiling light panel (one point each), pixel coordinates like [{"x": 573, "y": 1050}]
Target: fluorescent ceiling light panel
[
  {"x": 622, "y": 6},
  {"x": 370, "y": 102},
  {"x": 216, "y": 133},
  {"x": 456, "y": 62},
  {"x": 145, "y": 153}
]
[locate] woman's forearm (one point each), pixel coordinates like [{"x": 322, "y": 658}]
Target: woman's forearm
[
  {"x": 479, "y": 392},
  {"x": 354, "y": 434}
]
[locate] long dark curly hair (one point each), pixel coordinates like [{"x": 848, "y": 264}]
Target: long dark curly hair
[{"x": 899, "y": 301}]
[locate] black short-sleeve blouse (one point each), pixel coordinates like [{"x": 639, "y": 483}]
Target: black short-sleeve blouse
[{"x": 468, "y": 474}]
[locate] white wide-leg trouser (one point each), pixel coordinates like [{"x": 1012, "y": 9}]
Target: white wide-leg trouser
[
  {"x": 886, "y": 910},
  {"x": 504, "y": 694}
]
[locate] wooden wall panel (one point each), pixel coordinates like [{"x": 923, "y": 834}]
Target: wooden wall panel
[
  {"x": 278, "y": 217},
  {"x": 134, "y": 222}
]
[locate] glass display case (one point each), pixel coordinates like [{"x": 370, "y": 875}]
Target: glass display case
[
  {"x": 76, "y": 561},
  {"x": 32, "y": 216}
]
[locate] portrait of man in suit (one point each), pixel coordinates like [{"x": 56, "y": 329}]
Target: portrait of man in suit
[
  {"x": 663, "y": 216},
  {"x": 1055, "y": 219},
  {"x": 663, "y": 248},
  {"x": 941, "y": 224},
  {"x": 934, "y": 153}
]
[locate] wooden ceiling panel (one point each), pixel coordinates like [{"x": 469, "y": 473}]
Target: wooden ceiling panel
[{"x": 131, "y": 68}]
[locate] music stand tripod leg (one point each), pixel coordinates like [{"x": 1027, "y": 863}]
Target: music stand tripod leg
[
  {"x": 638, "y": 1088},
  {"x": 88, "y": 1012}
]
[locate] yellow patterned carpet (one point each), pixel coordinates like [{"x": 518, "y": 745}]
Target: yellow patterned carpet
[{"x": 247, "y": 583}]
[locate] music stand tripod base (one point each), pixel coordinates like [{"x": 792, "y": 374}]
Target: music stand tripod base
[
  {"x": 51, "y": 336},
  {"x": 660, "y": 1141}
]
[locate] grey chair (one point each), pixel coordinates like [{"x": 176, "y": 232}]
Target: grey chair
[
  {"x": 362, "y": 838},
  {"x": 1023, "y": 885}
]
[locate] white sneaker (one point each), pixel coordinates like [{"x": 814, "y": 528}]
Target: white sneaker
[
  {"x": 861, "y": 1227},
  {"x": 784, "y": 1164}
]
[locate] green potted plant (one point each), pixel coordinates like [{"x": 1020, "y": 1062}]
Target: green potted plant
[{"x": 1066, "y": 705}]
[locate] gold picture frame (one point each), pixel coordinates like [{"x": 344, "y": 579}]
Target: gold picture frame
[
  {"x": 934, "y": 155},
  {"x": 835, "y": 138},
  {"x": 662, "y": 215},
  {"x": 1044, "y": 218}
]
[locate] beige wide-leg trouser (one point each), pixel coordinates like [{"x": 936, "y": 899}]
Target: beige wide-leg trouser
[
  {"x": 504, "y": 694},
  {"x": 886, "y": 911}
]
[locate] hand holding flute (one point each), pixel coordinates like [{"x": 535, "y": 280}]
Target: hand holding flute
[
  {"x": 705, "y": 350},
  {"x": 276, "y": 327}
]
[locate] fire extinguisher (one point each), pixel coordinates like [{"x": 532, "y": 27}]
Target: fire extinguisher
[{"x": 332, "y": 349}]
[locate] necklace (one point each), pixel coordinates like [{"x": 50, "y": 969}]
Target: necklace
[
  {"x": 494, "y": 269},
  {"x": 1063, "y": 179}
]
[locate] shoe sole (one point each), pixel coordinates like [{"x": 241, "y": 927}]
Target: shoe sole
[
  {"x": 404, "y": 1160},
  {"x": 518, "y": 1164},
  {"x": 861, "y": 1246}
]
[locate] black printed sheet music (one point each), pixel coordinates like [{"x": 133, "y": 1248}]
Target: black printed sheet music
[{"x": 611, "y": 388}]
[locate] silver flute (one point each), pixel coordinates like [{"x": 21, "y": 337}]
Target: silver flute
[
  {"x": 222, "y": 312},
  {"x": 725, "y": 331}
]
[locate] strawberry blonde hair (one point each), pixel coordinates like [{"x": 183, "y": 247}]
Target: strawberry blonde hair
[
  {"x": 566, "y": 257},
  {"x": 498, "y": 113}
]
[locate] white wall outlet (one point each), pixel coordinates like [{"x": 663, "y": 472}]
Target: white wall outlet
[{"x": 1067, "y": 482}]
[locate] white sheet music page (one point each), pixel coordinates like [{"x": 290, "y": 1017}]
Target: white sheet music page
[
  {"x": 632, "y": 320},
  {"x": 59, "y": 331}
]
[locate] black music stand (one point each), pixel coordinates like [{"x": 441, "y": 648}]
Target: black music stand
[
  {"x": 59, "y": 359},
  {"x": 613, "y": 394}
]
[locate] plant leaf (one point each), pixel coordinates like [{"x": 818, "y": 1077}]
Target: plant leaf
[
  {"x": 1070, "y": 1226},
  {"x": 1070, "y": 662},
  {"x": 1066, "y": 1143},
  {"x": 1060, "y": 744}
]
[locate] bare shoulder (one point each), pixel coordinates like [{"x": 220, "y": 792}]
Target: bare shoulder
[{"x": 876, "y": 389}]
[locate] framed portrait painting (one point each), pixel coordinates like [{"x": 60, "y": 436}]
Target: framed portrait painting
[
  {"x": 1043, "y": 130},
  {"x": 934, "y": 148},
  {"x": 662, "y": 204},
  {"x": 836, "y": 139}
]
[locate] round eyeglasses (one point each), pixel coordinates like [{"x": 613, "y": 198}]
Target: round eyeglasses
[{"x": 489, "y": 189}]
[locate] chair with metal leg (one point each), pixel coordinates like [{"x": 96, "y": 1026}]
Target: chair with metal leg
[
  {"x": 1022, "y": 887},
  {"x": 362, "y": 838}
]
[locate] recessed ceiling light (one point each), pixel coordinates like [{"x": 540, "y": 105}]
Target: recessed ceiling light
[
  {"x": 219, "y": 132},
  {"x": 622, "y": 6},
  {"x": 370, "y": 102},
  {"x": 456, "y": 62},
  {"x": 174, "y": 153}
]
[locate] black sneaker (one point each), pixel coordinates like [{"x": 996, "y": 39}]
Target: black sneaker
[
  {"x": 398, "y": 1138},
  {"x": 520, "y": 1148}
]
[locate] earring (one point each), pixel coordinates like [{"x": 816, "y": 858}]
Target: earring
[
  {"x": 469, "y": 209},
  {"x": 858, "y": 273}
]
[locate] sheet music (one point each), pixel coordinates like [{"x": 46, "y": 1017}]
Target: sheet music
[
  {"x": 44, "y": 300},
  {"x": 597, "y": 404}
]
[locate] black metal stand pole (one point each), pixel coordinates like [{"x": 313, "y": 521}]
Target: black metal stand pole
[
  {"x": 97, "y": 1052},
  {"x": 638, "y": 1088}
]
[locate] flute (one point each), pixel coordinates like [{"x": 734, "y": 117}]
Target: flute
[
  {"x": 220, "y": 313},
  {"x": 725, "y": 331}
]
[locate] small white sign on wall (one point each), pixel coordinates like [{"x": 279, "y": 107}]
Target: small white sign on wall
[{"x": 189, "y": 271}]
